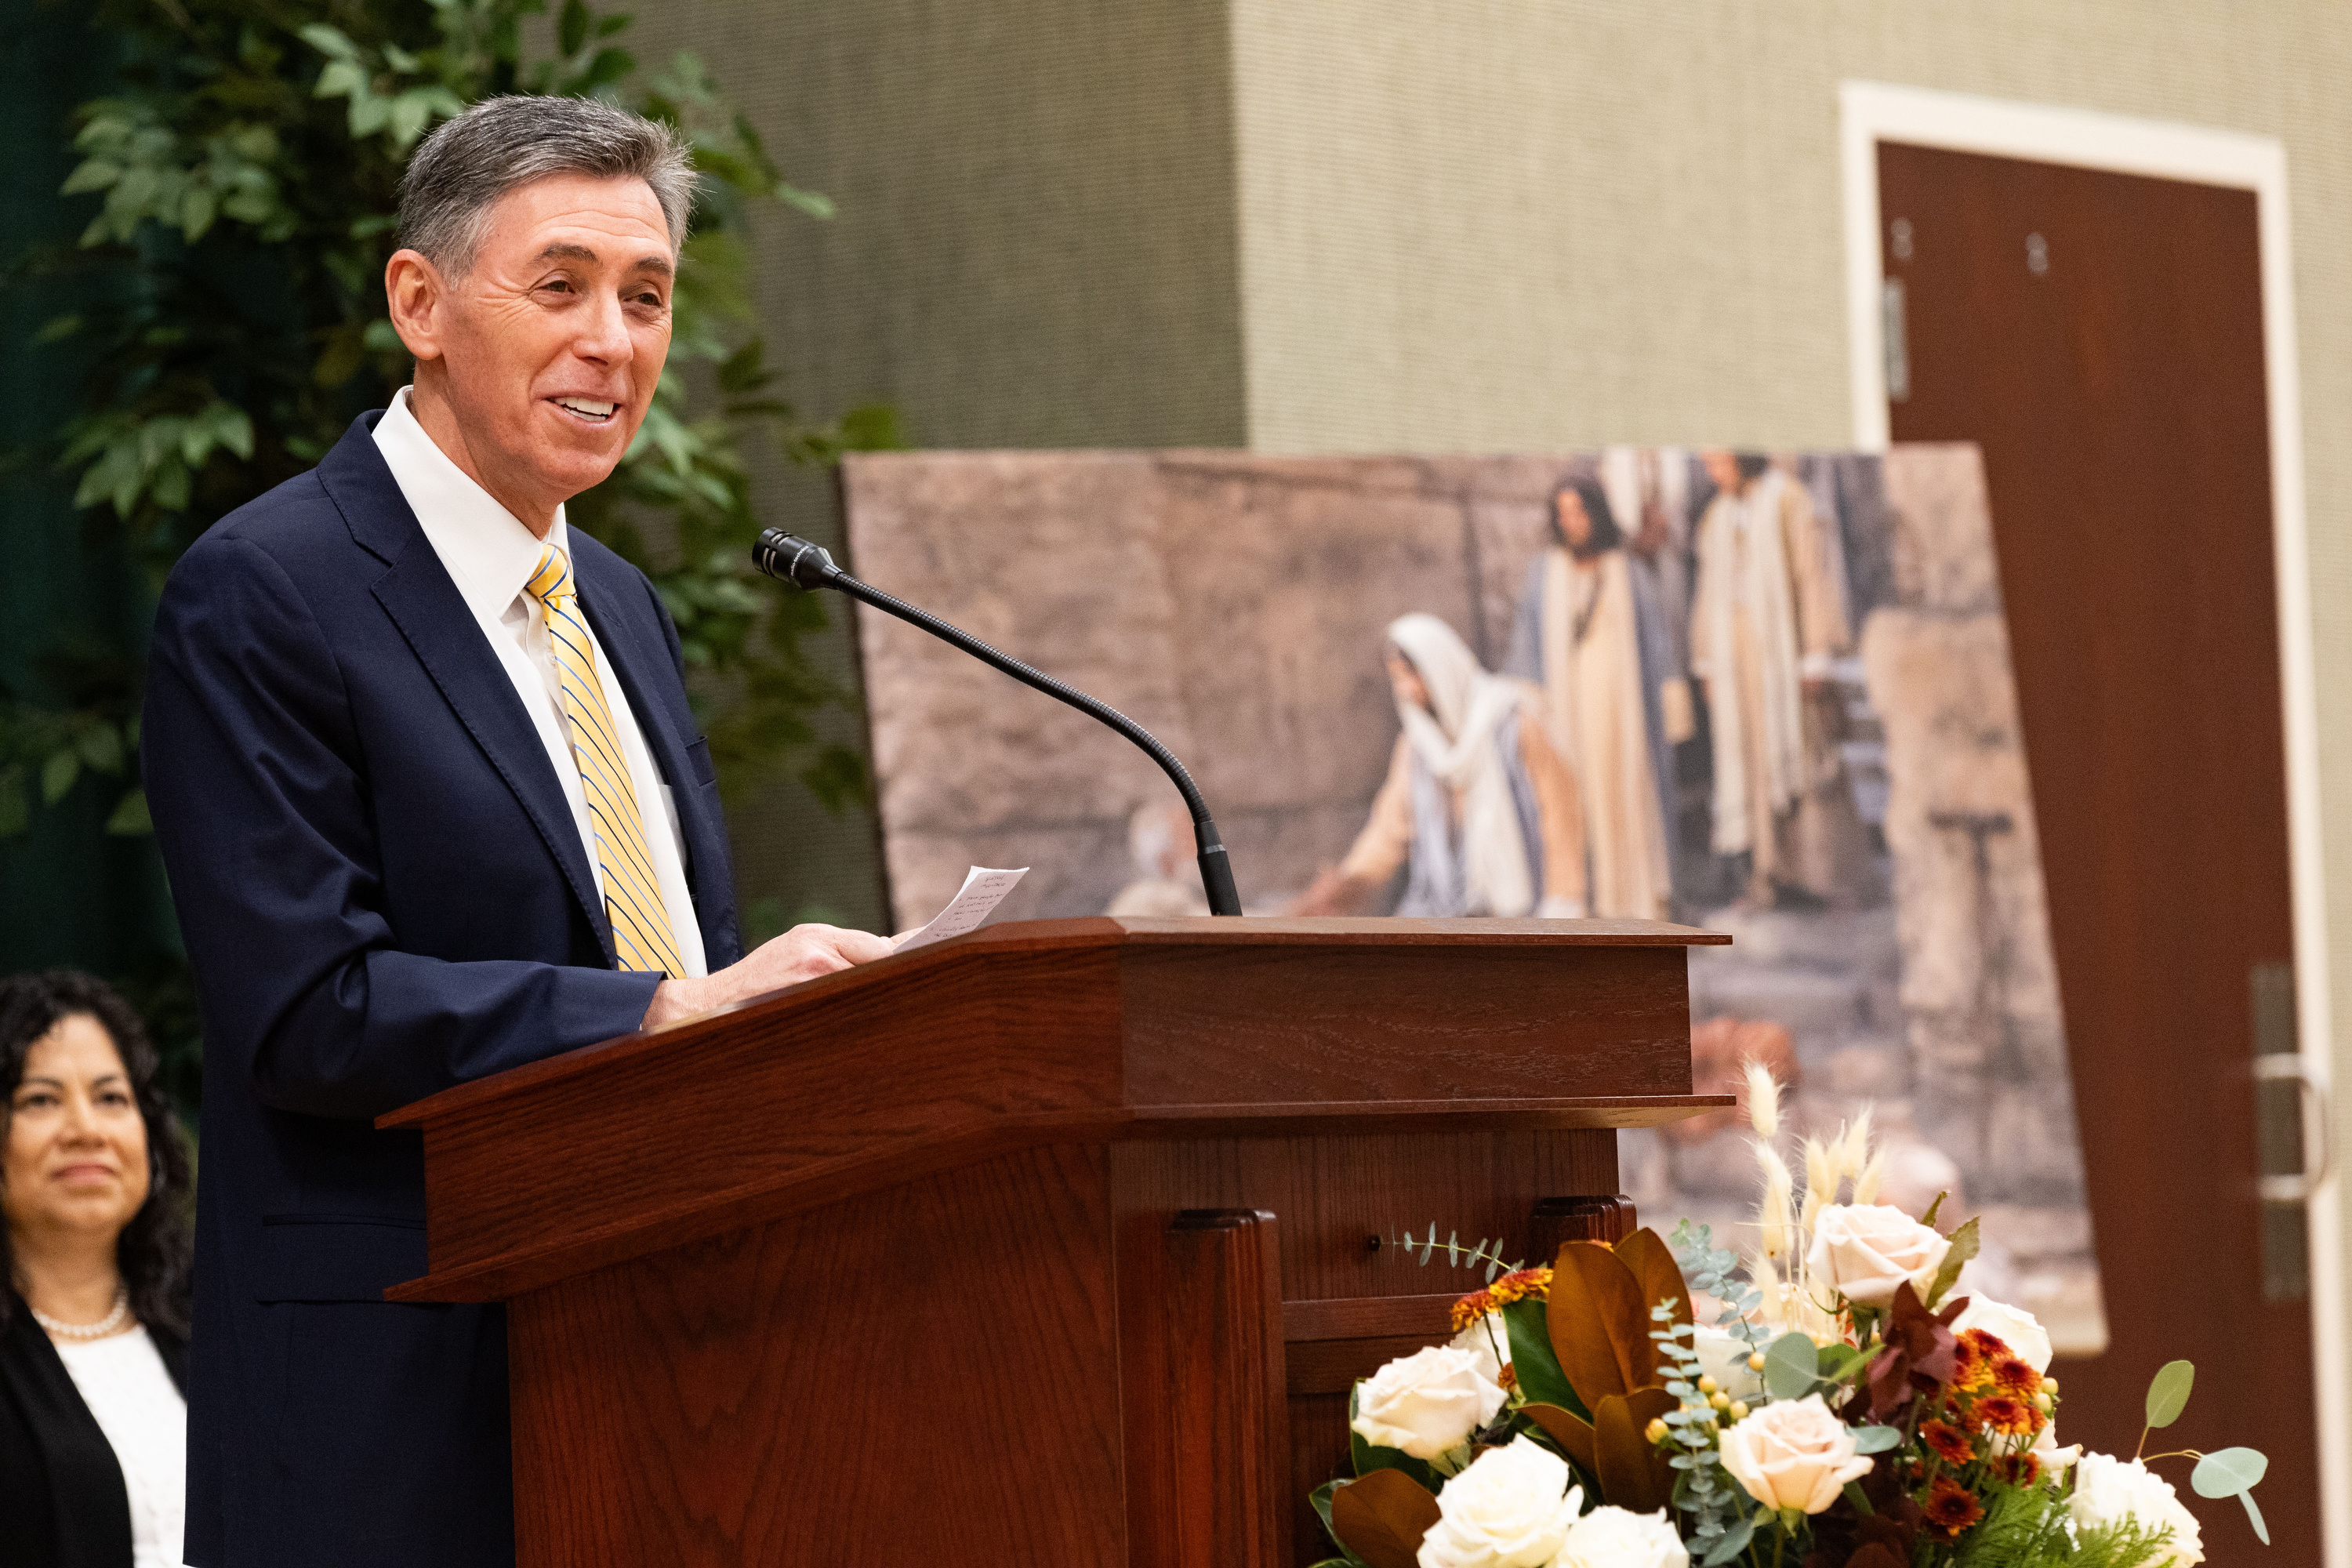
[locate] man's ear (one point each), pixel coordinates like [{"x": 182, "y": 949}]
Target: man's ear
[{"x": 416, "y": 290}]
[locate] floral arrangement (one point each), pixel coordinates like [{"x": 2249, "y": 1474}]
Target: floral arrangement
[{"x": 1843, "y": 1406}]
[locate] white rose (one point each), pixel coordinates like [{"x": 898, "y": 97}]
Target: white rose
[
  {"x": 1724, "y": 1357},
  {"x": 1619, "y": 1537},
  {"x": 1864, "y": 1251},
  {"x": 2108, "y": 1490},
  {"x": 2013, "y": 1326},
  {"x": 1427, "y": 1402},
  {"x": 1488, "y": 1344},
  {"x": 1794, "y": 1454},
  {"x": 1511, "y": 1509}
]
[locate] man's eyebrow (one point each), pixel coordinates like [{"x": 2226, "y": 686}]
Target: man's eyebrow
[{"x": 571, "y": 250}]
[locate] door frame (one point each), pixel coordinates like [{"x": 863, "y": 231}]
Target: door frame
[{"x": 1871, "y": 112}]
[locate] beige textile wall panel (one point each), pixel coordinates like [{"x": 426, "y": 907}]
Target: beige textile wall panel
[{"x": 1035, "y": 243}]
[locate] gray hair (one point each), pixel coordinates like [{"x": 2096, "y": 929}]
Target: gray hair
[{"x": 461, "y": 170}]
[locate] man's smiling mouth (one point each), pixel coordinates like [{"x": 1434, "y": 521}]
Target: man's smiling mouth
[{"x": 586, "y": 408}]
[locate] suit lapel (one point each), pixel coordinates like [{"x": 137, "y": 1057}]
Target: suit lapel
[
  {"x": 416, "y": 592},
  {"x": 610, "y": 589}
]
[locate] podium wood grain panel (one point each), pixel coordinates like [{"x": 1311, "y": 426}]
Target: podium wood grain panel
[
  {"x": 877, "y": 1270},
  {"x": 922, "y": 1375}
]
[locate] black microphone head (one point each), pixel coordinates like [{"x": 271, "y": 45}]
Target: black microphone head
[{"x": 794, "y": 559}]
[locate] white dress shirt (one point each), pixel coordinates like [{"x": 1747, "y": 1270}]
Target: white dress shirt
[
  {"x": 491, "y": 555},
  {"x": 122, "y": 1380}
]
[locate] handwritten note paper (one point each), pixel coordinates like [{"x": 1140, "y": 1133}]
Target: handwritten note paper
[{"x": 982, "y": 890}]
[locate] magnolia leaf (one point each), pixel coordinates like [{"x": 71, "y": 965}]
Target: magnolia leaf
[
  {"x": 2167, "y": 1392},
  {"x": 1647, "y": 1253},
  {"x": 1599, "y": 1324},
  {"x": 1633, "y": 1473},
  {"x": 2226, "y": 1471},
  {"x": 1541, "y": 1381},
  {"x": 1572, "y": 1433},
  {"x": 1381, "y": 1518},
  {"x": 1963, "y": 1247},
  {"x": 1876, "y": 1440},
  {"x": 1791, "y": 1366}
]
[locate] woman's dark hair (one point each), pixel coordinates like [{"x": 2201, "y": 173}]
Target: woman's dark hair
[
  {"x": 1751, "y": 464},
  {"x": 153, "y": 1249},
  {"x": 1605, "y": 535}
]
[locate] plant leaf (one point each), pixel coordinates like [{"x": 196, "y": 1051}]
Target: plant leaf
[
  {"x": 2254, "y": 1517},
  {"x": 2228, "y": 1471},
  {"x": 1541, "y": 1381},
  {"x": 1928, "y": 1218},
  {"x": 1381, "y": 1518},
  {"x": 2167, "y": 1392},
  {"x": 1964, "y": 1246},
  {"x": 129, "y": 817},
  {"x": 1572, "y": 1433},
  {"x": 1633, "y": 1473},
  {"x": 1600, "y": 1327},
  {"x": 1791, "y": 1366},
  {"x": 1876, "y": 1439},
  {"x": 57, "y": 775},
  {"x": 1645, "y": 1252},
  {"x": 1731, "y": 1543}
]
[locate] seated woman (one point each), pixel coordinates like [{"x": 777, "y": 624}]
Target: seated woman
[
  {"x": 1477, "y": 806},
  {"x": 94, "y": 1180}
]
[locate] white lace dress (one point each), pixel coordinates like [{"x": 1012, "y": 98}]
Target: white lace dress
[{"x": 121, "y": 1378}]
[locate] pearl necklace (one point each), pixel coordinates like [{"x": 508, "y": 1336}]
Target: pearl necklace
[{"x": 96, "y": 1331}]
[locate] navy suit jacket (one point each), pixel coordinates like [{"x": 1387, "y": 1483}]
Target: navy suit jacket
[{"x": 383, "y": 894}]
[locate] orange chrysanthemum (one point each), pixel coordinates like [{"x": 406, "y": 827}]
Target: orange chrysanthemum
[
  {"x": 1523, "y": 1285},
  {"x": 2016, "y": 1469},
  {"x": 2008, "y": 1413},
  {"x": 1509, "y": 1377},
  {"x": 2014, "y": 1375},
  {"x": 1950, "y": 1509},
  {"x": 1951, "y": 1443},
  {"x": 1973, "y": 1357}
]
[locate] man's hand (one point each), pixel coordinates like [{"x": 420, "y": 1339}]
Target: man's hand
[{"x": 801, "y": 953}]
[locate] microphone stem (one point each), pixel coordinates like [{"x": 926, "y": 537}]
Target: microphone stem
[{"x": 1216, "y": 871}]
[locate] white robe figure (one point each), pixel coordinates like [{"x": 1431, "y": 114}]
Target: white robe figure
[
  {"x": 1476, "y": 806},
  {"x": 1767, "y": 614}
]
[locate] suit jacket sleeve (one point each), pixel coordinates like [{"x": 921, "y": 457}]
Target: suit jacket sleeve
[{"x": 258, "y": 787}]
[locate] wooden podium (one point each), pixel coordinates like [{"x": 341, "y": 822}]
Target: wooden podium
[{"x": 1057, "y": 1244}]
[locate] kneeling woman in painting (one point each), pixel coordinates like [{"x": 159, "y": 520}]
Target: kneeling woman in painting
[
  {"x": 93, "y": 1285},
  {"x": 1477, "y": 807}
]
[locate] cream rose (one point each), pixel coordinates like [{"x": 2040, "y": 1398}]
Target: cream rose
[
  {"x": 1619, "y": 1538},
  {"x": 1488, "y": 1344},
  {"x": 2013, "y": 1326},
  {"x": 1511, "y": 1509},
  {"x": 1427, "y": 1402},
  {"x": 2108, "y": 1490},
  {"x": 1794, "y": 1454},
  {"x": 1864, "y": 1251},
  {"x": 1724, "y": 1357}
]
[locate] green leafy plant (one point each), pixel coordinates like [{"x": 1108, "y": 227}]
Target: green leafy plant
[{"x": 243, "y": 176}]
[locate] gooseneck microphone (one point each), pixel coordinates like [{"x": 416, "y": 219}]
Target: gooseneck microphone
[{"x": 805, "y": 565}]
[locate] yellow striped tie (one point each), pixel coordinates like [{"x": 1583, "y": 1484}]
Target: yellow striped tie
[{"x": 641, "y": 934}]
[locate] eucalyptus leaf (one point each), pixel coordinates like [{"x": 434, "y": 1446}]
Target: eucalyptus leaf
[
  {"x": 1731, "y": 1543},
  {"x": 2254, "y": 1518},
  {"x": 2167, "y": 1392},
  {"x": 2228, "y": 1471},
  {"x": 1791, "y": 1366},
  {"x": 1876, "y": 1439}
]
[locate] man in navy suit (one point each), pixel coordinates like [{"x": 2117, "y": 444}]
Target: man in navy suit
[{"x": 434, "y": 805}]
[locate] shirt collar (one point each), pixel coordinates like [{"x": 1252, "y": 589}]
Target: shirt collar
[{"x": 489, "y": 553}]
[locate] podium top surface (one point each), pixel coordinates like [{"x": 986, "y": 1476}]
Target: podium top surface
[{"x": 1080, "y": 1031}]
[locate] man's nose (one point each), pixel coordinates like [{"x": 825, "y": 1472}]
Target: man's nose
[{"x": 604, "y": 334}]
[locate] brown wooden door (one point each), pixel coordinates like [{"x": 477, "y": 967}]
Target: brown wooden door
[{"x": 2100, "y": 336}]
